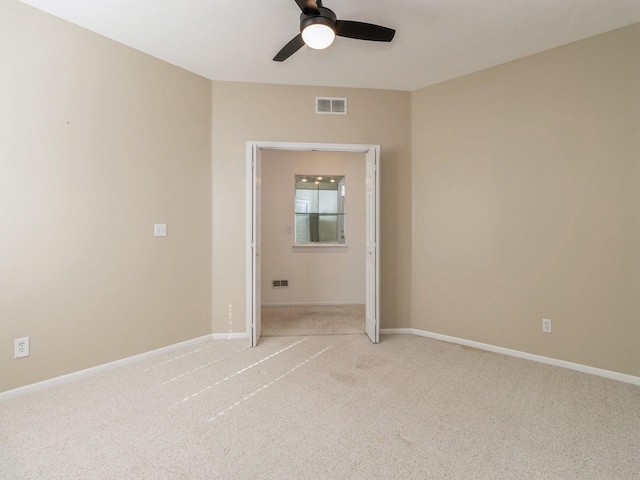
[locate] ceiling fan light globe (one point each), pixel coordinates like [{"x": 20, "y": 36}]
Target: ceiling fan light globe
[{"x": 318, "y": 36}]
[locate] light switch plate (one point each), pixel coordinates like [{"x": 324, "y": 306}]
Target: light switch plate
[{"x": 160, "y": 229}]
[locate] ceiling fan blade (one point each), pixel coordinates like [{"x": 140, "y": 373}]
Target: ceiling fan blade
[
  {"x": 289, "y": 49},
  {"x": 364, "y": 31},
  {"x": 309, "y": 7}
]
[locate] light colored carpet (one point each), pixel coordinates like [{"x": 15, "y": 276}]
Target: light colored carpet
[
  {"x": 326, "y": 407},
  {"x": 312, "y": 320}
]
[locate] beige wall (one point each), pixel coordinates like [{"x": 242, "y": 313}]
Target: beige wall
[
  {"x": 314, "y": 277},
  {"x": 243, "y": 112},
  {"x": 526, "y": 204},
  {"x": 97, "y": 143}
]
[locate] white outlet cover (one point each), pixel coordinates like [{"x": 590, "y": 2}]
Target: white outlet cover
[
  {"x": 21, "y": 347},
  {"x": 160, "y": 229},
  {"x": 546, "y": 325}
]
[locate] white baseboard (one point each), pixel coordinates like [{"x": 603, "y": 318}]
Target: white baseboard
[
  {"x": 396, "y": 331},
  {"x": 229, "y": 336},
  {"x": 310, "y": 304},
  {"x": 69, "y": 377},
  {"x": 621, "y": 377},
  {"x": 34, "y": 387}
]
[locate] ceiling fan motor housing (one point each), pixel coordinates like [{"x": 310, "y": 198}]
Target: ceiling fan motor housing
[{"x": 326, "y": 17}]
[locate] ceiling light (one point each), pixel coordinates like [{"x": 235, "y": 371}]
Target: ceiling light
[
  {"x": 319, "y": 33},
  {"x": 318, "y": 178},
  {"x": 332, "y": 180},
  {"x": 304, "y": 179}
]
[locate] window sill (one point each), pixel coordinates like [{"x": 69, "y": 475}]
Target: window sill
[{"x": 321, "y": 247}]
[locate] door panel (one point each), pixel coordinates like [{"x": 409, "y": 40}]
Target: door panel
[
  {"x": 371, "y": 297},
  {"x": 256, "y": 320}
]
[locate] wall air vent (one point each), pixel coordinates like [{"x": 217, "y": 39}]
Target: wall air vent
[
  {"x": 331, "y": 105},
  {"x": 279, "y": 283}
]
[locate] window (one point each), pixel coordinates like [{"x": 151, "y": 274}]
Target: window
[{"x": 319, "y": 209}]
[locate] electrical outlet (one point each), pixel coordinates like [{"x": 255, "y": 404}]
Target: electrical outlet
[
  {"x": 546, "y": 325},
  {"x": 21, "y": 347}
]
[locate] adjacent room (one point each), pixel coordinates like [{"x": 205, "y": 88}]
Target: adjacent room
[
  {"x": 312, "y": 242},
  {"x": 464, "y": 301}
]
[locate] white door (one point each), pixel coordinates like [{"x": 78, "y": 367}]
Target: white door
[
  {"x": 372, "y": 158},
  {"x": 256, "y": 307},
  {"x": 371, "y": 298}
]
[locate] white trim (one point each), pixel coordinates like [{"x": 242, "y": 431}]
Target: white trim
[
  {"x": 395, "y": 331},
  {"x": 87, "y": 372},
  {"x": 325, "y": 147},
  {"x": 229, "y": 336},
  {"x": 320, "y": 247},
  {"x": 621, "y": 377},
  {"x": 311, "y": 304}
]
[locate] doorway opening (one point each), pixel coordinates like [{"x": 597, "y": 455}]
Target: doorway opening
[{"x": 365, "y": 249}]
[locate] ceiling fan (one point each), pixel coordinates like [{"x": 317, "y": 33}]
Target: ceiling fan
[{"x": 319, "y": 27}]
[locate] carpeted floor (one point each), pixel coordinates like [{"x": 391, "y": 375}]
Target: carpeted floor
[
  {"x": 312, "y": 320},
  {"x": 326, "y": 407}
]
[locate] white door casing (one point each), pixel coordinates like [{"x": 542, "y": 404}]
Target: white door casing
[{"x": 253, "y": 198}]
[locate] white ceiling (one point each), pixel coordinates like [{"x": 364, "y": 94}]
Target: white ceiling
[{"x": 436, "y": 40}]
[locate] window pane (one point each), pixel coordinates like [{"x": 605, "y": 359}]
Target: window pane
[{"x": 319, "y": 208}]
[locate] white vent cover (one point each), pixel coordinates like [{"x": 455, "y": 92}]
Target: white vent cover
[{"x": 331, "y": 105}]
